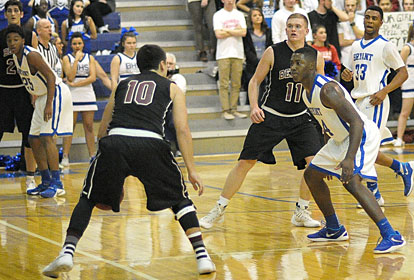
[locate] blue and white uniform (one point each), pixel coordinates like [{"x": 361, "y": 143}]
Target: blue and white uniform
[
  {"x": 371, "y": 61},
  {"x": 83, "y": 97},
  {"x": 61, "y": 123},
  {"x": 79, "y": 26},
  {"x": 336, "y": 148},
  {"x": 36, "y": 18},
  {"x": 407, "y": 87},
  {"x": 128, "y": 66}
]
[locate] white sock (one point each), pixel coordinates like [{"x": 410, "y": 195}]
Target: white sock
[
  {"x": 303, "y": 204},
  {"x": 223, "y": 201},
  {"x": 29, "y": 178}
]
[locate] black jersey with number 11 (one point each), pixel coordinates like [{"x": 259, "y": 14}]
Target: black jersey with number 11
[{"x": 141, "y": 102}]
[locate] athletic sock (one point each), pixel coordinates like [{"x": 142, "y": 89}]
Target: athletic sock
[
  {"x": 45, "y": 176},
  {"x": 30, "y": 174},
  {"x": 223, "y": 201},
  {"x": 70, "y": 245},
  {"x": 373, "y": 187},
  {"x": 302, "y": 204},
  {"x": 385, "y": 228},
  {"x": 196, "y": 240},
  {"x": 332, "y": 222},
  {"x": 396, "y": 165},
  {"x": 55, "y": 175}
]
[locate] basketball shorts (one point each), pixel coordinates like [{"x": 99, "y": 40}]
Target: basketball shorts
[
  {"x": 407, "y": 93},
  {"x": 148, "y": 159},
  {"x": 15, "y": 108},
  {"x": 328, "y": 158},
  {"x": 61, "y": 123},
  {"x": 300, "y": 133},
  {"x": 378, "y": 114}
]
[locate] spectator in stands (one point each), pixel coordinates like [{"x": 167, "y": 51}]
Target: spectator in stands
[
  {"x": 280, "y": 18},
  {"x": 80, "y": 71},
  {"x": 407, "y": 5},
  {"x": 78, "y": 22},
  {"x": 97, "y": 9},
  {"x": 27, "y": 10},
  {"x": 174, "y": 76},
  {"x": 258, "y": 38},
  {"x": 328, "y": 51},
  {"x": 229, "y": 27},
  {"x": 395, "y": 5},
  {"x": 203, "y": 11},
  {"x": 386, "y": 6},
  {"x": 124, "y": 63},
  {"x": 40, "y": 10},
  {"x": 59, "y": 10},
  {"x": 59, "y": 46},
  {"x": 407, "y": 54},
  {"x": 246, "y": 5},
  {"x": 329, "y": 16}
]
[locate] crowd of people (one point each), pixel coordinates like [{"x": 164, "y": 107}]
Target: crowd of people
[{"x": 330, "y": 53}]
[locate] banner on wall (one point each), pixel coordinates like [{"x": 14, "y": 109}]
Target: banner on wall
[{"x": 395, "y": 27}]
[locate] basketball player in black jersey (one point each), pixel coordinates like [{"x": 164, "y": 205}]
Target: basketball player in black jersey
[
  {"x": 134, "y": 144},
  {"x": 283, "y": 115},
  {"x": 15, "y": 101}
]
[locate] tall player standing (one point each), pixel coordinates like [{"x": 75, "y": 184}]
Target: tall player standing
[
  {"x": 52, "y": 114},
  {"x": 371, "y": 60},
  {"x": 283, "y": 115},
  {"x": 15, "y": 102}
]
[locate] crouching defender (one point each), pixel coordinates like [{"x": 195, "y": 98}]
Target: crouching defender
[
  {"x": 349, "y": 154},
  {"x": 133, "y": 144}
]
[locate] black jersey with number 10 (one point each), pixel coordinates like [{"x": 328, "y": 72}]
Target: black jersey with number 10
[{"x": 141, "y": 102}]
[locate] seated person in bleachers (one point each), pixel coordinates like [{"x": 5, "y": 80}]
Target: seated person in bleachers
[
  {"x": 395, "y": 5},
  {"x": 97, "y": 9},
  {"x": 124, "y": 63},
  {"x": 40, "y": 10},
  {"x": 78, "y": 22},
  {"x": 27, "y": 10},
  {"x": 387, "y": 6},
  {"x": 60, "y": 9},
  {"x": 407, "y": 5},
  {"x": 80, "y": 71}
]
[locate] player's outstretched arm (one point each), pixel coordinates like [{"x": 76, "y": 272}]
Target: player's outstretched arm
[
  {"x": 332, "y": 96},
  {"x": 36, "y": 62},
  {"x": 184, "y": 137},
  {"x": 265, "y": 65}
]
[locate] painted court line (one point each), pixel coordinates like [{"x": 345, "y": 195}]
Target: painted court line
[{"x": 120, "y": 266}]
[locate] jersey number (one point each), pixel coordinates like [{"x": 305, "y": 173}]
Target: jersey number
[
  {"x": 142, "y": 93},
  {"x": 11, "y": 68},
  {"x": 289, "y": 92},
  {"x": 360, "y": 70},
  {"x": 28, "y": 84}
]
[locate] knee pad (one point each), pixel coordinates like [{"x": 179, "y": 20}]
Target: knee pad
[{"x": 185, "y": 214}]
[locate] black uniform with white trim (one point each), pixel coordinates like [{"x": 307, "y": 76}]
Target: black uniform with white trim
[
  {"x": 286, "y": 117},
  {"x": 135, "y": 146},
  {"x": 15, "y": 102}
]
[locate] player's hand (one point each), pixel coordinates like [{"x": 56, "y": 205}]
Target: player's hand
[
  {"x": 257, "y": 115},
  {"x": 79, "y": 55},
  {"x": 347, "y": 75},
  {"x": 347, "y": 166},
  {"x": 195, "y": 180},
  {"x": 47, "y": 114},
  {"x": 377, "y": 98}
]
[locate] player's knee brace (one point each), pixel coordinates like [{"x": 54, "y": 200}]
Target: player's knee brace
[{"x": 185, "y": 213}]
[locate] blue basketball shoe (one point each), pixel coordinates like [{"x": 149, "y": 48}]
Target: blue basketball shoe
[
  {"x": 326, "y": 234},
  {"x": 407, "y": 175},
  {"x": 40, "y": 188},
  {"x": 390, "y": 244},
  {"x": 55, "y": 189}
]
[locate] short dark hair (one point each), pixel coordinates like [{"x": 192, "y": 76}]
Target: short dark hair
[
  {"x": 298, "y": 15},
  {"x": 14, "y": 28},
  {"x": 13, "y": 3},
  {"x": 375, "y": 8},
  {"x": 310, "y": 54},
  {"x": 76, "y": 35},
  {"x": 149, "y": 57}
]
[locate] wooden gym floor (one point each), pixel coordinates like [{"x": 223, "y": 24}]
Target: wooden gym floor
[{"x": 256, "y": 240}]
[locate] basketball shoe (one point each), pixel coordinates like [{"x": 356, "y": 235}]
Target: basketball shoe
[
  {"x": 63, "y": 263},
  {"x": 407, "y": 175},
  {"x": 30, "y": 183},
  {"x": 390, "y": 244},
  {"x": 301, "y": 218},
  {"x": 327, "y": 234},
  {"x": 40, "y": 188},
  {"x": 205, "y": 265},
  {"x": 216, "y": 215},
  {"x": 55, "y": 189}
]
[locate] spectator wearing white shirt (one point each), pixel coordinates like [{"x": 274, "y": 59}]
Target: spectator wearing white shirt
[{"x": 280, "y": 17}]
